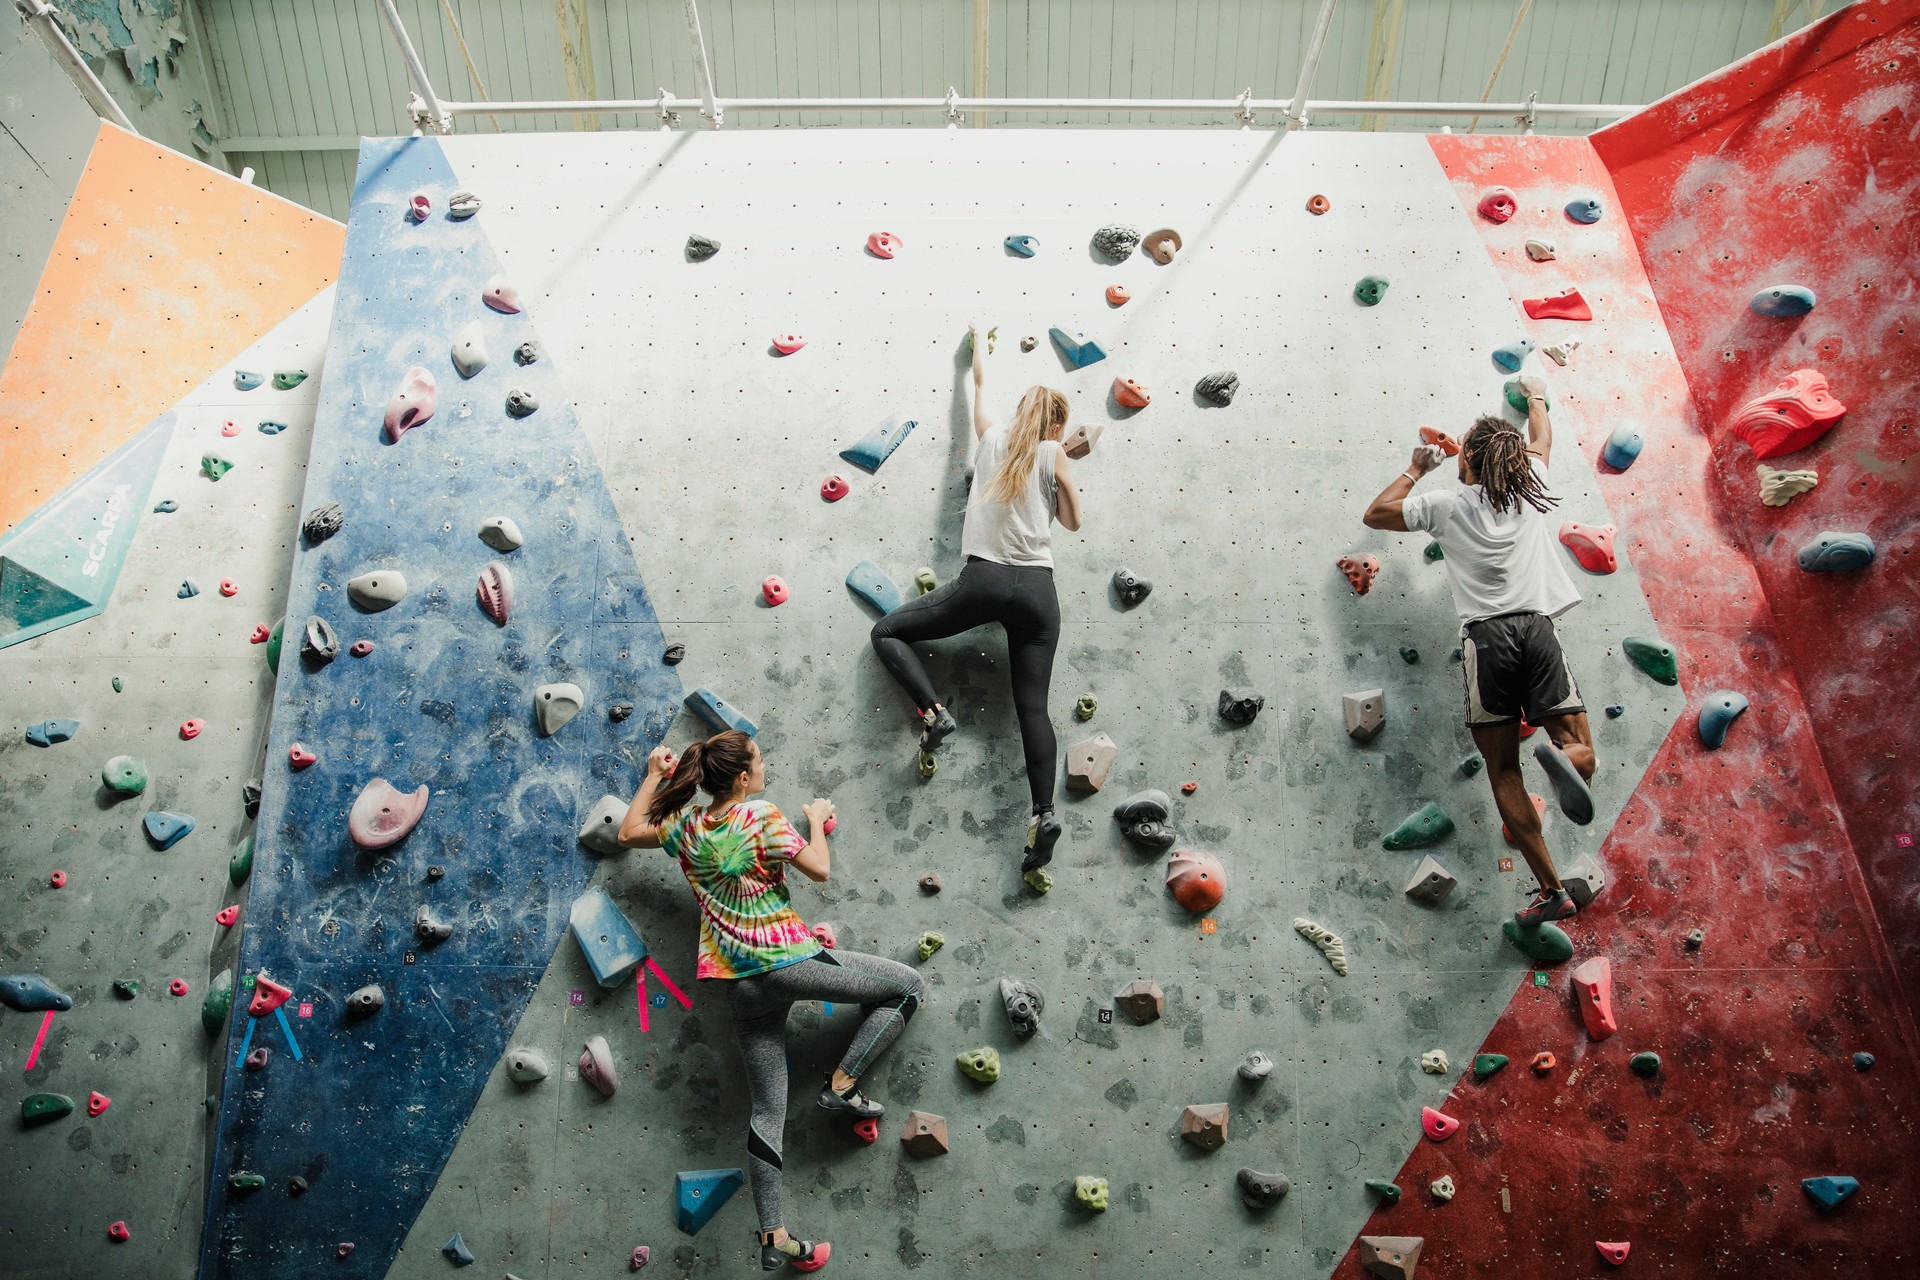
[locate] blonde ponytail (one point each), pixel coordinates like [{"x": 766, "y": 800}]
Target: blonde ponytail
[{"x": 1042, "y": 415}]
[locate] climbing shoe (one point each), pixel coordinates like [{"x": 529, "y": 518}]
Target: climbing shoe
[
  {"x": 1555, "y": 905},
  {"x": 1575, "y": 800},
  {"x": 1043, "y": 832},
  {"x": 852, "y": 1102},
  {"x": 937, "y": 724},
  {"x": 801, "y": 1255}
]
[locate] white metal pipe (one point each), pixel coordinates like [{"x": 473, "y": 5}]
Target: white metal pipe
[
  {"x": 1221, "y": 106},
  {"x": 702, "y": 72},
  {"x": 40, "y": 16},
  {"x": 416, "y": 70},
  {"x": 1297, "y": 108}
]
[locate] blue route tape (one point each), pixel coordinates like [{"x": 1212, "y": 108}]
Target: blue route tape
[{"x": 287, "y": 1027}]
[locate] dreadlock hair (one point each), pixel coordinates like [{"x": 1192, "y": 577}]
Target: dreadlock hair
[
  {"x": 1497, "y": 452},
  {"x": 713, "y": 766}
]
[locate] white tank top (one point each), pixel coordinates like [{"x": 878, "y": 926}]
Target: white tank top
[{"x": 1017, "y": 532}]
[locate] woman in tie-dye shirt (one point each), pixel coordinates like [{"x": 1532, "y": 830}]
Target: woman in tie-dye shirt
[{"x": 735, "y": 853}]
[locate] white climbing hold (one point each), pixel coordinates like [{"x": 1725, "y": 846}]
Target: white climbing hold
[
  {"x": 1431, "y": 881},
  {"x": 1584, "y": 879},
  {"x": 1561, "y": 352},
  {"x": 1366, "y": 713},
  {"x": 601, "y": 831},
  {"x": 1442, "y": 1188},
  {"x": 502, "y": 534},
  {"x": 1327, "y": 940},
  {"x": 1434, "y": 1062},
  {"x": 1778, "y": 488},
  {"x": 555, "y": 704},
  {"x": 380, "y": 589},
  {"x": 470, "y": 350},
  {"x": 1541, "y": 250}
]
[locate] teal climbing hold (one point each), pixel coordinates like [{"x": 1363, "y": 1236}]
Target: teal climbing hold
[
  {"x": 1409, "y": 654},
  {"x": 1717, "y": 715},
  {"x": 214, "y": 465},
  {"x": 1655, "y": 657},
  {"x": 1835, "y": 552},
  {"x": 166, "y": 829},
  {"x": 457, "y": 1251},
  {"x": 1485, "y": 1064},
  {"x": 48, "y": 732},
  {"x": 188, "y": 589},
  {"x": 718, "y": 713},
  {"x": 217, "y": 1004},
  {"x": 701, "y": 1194},
  {"x": 288, "y": 379},
  {"x": 871, "y": 583},
  {"x": 1622, "y": 447},
  {"x": 1646, "y": 1064},
  {"x": 1547, "y": 942},
  {"x": 240, "y": 865},
  {"x": 1370, "y": 290},
  {"x": 166, "y": 506},
  {"x": 1471, "y": 765},
  {"x": 1585, "y": 209},
  {"x": 878, "y": 445},
  {"x": 1513, "y": 355},
  {"x": 273, "y": 647},
  {"x": 272, "y": 428},
  {"x": 40, "y": 1108},
  {"x": 117, "y": 685},
  {"x": 1426, "y": 825},
  {"x": 1435, "y": 551},
  {"x": 1387, "y": 1191},
  {"x": 1517, "y": 396},
  {"x": 246, "y": 379},
  {"x": 124, "y": 774},
  {"x": 1078, "y": 348},
  {"x": 1830, "y": 1189},
  {"x": 32, "y": 993},
  {"x": 1022, "y": 246},
  {"x": 1782, "y": 300}
]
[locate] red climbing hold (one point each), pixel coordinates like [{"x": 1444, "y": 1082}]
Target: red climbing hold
[
  {"x": 1197, "y": 879},
  {"x": 299, "y": 757},
  {"x": 1498, "y": 205},
  {"x": 824, "y": 935},
  {"x": 1117, "y": 295},
  {"x": 412, "y": 404},
  {"x": 1799, "y": 411},
  {"x": 1562, "y": 306},
  {"x": 1539, "y": 809},
  {"x": 118, "y": 1233},
  {"x": 58, "y": 879},
  {"x": 190, "y": 729},
  {"x": 775, "y": 591},
  {"x": 1593, "y": 988},
  {"x": 1188, "y": 788},
  {"x": 228, "y": 914},
  {"x": 178, "y": 986},
  {"x": 495, "y": 592},
  {"x": 1614, "y": 1251},
  {"x": 1592, "y": 545},
  {"x": 1438, "y": 1125},
  {"x": 834, "y": 488},
  {"x": 261, "y": 633},
  {"x": 883, "y": 244},
  {"x": 97, "y": 1102},
  {"x": 1130, "y": 393},
  {"x": 788, "y": 343},
  {"x": 1434, "y": 435},
  {"x": 257, "y": 1059},
  {"x": 1318, "y": 204},
  {"x": 361, "y": 648},
  {"x": 1360, "y": 571},
  {"x": 268, "y": 995},
  {"x": 826, "y": 828},
  {"x": 867, "y": 1130},
  {"x": 228, "y": 587}
]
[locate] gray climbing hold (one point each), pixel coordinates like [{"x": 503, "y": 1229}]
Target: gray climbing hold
[
  {"x": 429, "y": 927},
  {"x": 1365, "y": 713},
  {"x": 527, "y": 353},
  {"x": 188, "y": 589},
  {"x": 457, "y": 1251},
  {"x": 367, "y": 1001},
  {"x": 1391, "y": 1257},
  {"x": 502, "y": 534},
  {"x": 1141, "y": 1000},
  {"x": 167, "y": 829},
  {"x": 377, "y": 590},
  {"x": 1255, "y": 1067},
  {"x": 1261, "y": 1190},
  {"x": 1835, "y": 552},
  {"x": 462, "y": 205},
  {"x": 1218, "y": 388},
  {"x": 382, "y": 815},
  {"x": 1584, "y": 879},
  {"x": 1117, "y": 241},
  {"x": 1023, "y": 1004},
  {"x": 1204, "y": 1124},
  {"x": 555, "y": 704},
  {"x": 318, "y": 643},
  {"x": 323, "y": 522},
  {"x": 1240, "y": 706},
  {"x": 166, "y": 506},
  {"x": 619, "y": 712},
  {"x": 601, "y": 831},
  {"x": 1088, "y": 762},
  {"x": 527, "y": 1066},
  {"x": 1717, "y": 715},
  {"x": 48, "y": 732},
  {"x": 521, "y": 403},
  {"x": 1143, "y": 819},
  {"x": 31, "y": 993},
  {"x": 470, "y": 349},
  {"x": 1130, "y": 586},
  {"x": 1431, "y": 881},
  {"x": 124, "y": 774},
  {"x": 674, "y": 654},
  {"x": 597, "y": 1066},
  {"x": 700, "y": 248}
]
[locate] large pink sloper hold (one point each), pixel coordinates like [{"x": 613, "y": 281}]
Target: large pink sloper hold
[
  {"x": 383, "y": 815},
  {"x": 412, "y": 404}
]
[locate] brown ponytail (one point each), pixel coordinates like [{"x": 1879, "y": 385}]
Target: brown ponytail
[
  {"x": 1502, "y": 468},
  {"x": 713, "y": 766}
]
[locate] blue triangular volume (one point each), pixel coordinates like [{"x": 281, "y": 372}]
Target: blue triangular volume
[
  {"x": 702, "y": 1193},
  {"x": 58, "y": 566},
  {"x": 374, "y": 1118}
]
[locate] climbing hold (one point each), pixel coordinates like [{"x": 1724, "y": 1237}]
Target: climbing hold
[
  {"x": 344, "y": 1249},
  {"x": 1559, "y": 353},
  {"x": 1365, "y": 712},
  {"x": 1117, "y": 295},
  {"x": 925, "y": 1134},
  {"x": 1798, "y": 411},
  {"x": 823, "y": 934},
  {"x": 597, "y": 1067},
  {"x": 1592, "y": 545},
  {"x": 270, "y": 428},
  {"x": 1835, "y": 552},
  {"x": 1080, "y": 443},
  {"x": 1613, "y": 1251},
  {"x": 178, "y": 986},
  {"x": 1541, "y": 250},
  {"x": 526, "y": 1066},
  {"x": 700, "y": 1194},
  {"x": 1717, "y": 715},
  {"x": 1088, "y": 762},
  {"x": 318, "y": 643},
  {"x": 929, "y": 943},
  {"x": 1260, "y": 1190},
  {"x": 883, "y": 244},
  {"x": 1116, "y": 242},
  {"x": 774, "y": 590},
  {"x": 1646, "y": 1064},
  {"x": 1584, "y": 879},
  {"x": 502, "y": 534},
  {"x": 261, "y": 633},
  {"x": 166, "y": 829},
  {"x": 323, "y": 522},
  {"x": 1567, "y": 305},
  {"x": 58, "y": 879},
  {"x": 1409, "y": 654},
  {"x": 1091, "y": 1192},
  {"x": 1434, "y": 1062},
  {"x": 1240, "y": 706},
  {"x": 1141, "y": 1000},
  {"x": 1038, "y": 880},
  {"x": 1431, "y": 882},
  {"x": 1086, "y": 706},
  {"x": 412, "y": 404},
  {"x": 1437, "y": 1125},
  {"x": 870, "y": 582},
  {"x": 1778, "y": 488},
  {"x": 428, "y": 927},
  {"x": 1586, "y": 210},
  {"x": 1079, "y": 349},
  {"x": 1255, "y": 1067},
  {"x": 1515, "y": 390},
  {"x": 1161, "y": 245},
  {"x": 1130, "y": 394},
  {"x": 1360, "y": 570},
  {"x": 1486, "y": 1064},
  {"x": 1331, "y": 945},
  {"x": 48, "y": 732},
  {"x": 1029, "y": 342},
  {"x": 980, "y": 1064},
  {"x": 834, "y": 488},
  {"x": 1498, "y": 205},
  {"x": 1830, "y": 1189},
  {"x": 1130, "y": 586},
  {"x": 1435, "y": 551},
  {"x": 1546, "y": 942},
  {"x": 494, "y": 591},
  {"x": 1023, "y": 1003},
  {"x": 601, "y": 831},
  {"x": 245, "y": 1183},
  {"x": 1440, "y": 439},
  {"x": 1696, "y": 938},
  {"x": 419, "y": 205},
  {"x": 719, "y": 713},
  {"x": 31, "y": 993},
  {"x": 1205, "y": 1125},
  {"x": 642, "y": 1255},
  {"x": 1655, "y": 657},
  {"x": 470, "y": 349},
  {"x": 673, "y": 654},
  {"x": 457, "y": 1251},
  {"x": 190, "y": 729},
  {"x": 268, "y": 995},
  {"x": 1022, "y": 246},
  {"x": 366, "y": 1001},
  {"x": 929, "y": 764},
  {"x": 1593, "y": 989},
  {"x": 521, "y": 403},
  {"x": 554, "y": 705},
  {"x": 1442, "y": 1188},
  {"x": 118, "y": 1233},
  {"x": 360, "y": 648},
  {"x": 788, "y": 343},
  {"x": 126, "y": 988},
  {"x": 1615, "y": 710},
  {"x": 462, "y": 205},
  {"x": 878, "y": 445},
  {"x": 1388, "y": 1191},
  {"x": 930, "y": 883},
  {"x": 382, "y": 816},
  {"x": 1424, "y": 826},
  {"x": 527, "y": 353},
  {"x": 1318, "y": 204},
  {"x": 501, "y": 296},
  {"x": 246, "y": 379},
  {"x": 1370, "y": 290},
  {"x": 229, "y": 588},
  {"x": 1391, "y": 1257},
  {"x": 700, "y": 248},
  {"x": 227, "y": 915},
  {"x": 256, "y": 1059},
  {"x": 217, "y": 1003},
  {"x": 166, "y": 506},
  {"x": 214, "y": 466},
  {"x": 1622, "y": 447},
  {"x": 612, "y": 946},
  {"x": 378, "y": 590},
  {"x": 1218, "y": 388},
  {"x": 1782, "y": 300},
  {"x": 1189, "y": 787},
  {"x": 1511, "y": 356},
  {"x": 40, "y": 1108}
]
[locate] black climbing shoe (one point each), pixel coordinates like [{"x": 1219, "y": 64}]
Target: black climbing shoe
[
  {"x": 852, "y": 1102},
  {"x": 1571, "y": 789},
  {"x": 1043, "y": 832},
  {"x": 801, "y": 1255},
  {"x": 1557, "y": 905},
  {"x": 938, "y": 724}
]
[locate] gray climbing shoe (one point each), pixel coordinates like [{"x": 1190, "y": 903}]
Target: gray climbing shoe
[
  {"x": 1557, "y": 905},
  {"x": 852, "y": 1102},
  {"x": 1575, "y": 800},
  {"x": 1043, "y": 832},
  {"x": 938, "y": 724}
]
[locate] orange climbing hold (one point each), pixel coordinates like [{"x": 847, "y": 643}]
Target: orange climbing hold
[
  {"x": 268, "y": 995},
  {"x": 1593, "y": 988},
  {"x": 1117, "y": 294},
  {"x": 1360, "y": 571},
  {"x": 1592, "y": 545},
  {"x": 1197, "y": 879},
  {"x": 1562, "y": 306},
  {"x": 1544, "y": 1061},
  {"x": 1434, "y": 435},
  {"x": 1614, "y": 1251},
  {"x": 1318, "y": 204},
  {"x": 1130, "y": 393},
  {"x": 1799, "y": 411},
  {"x": 1437, "y": 1125}
]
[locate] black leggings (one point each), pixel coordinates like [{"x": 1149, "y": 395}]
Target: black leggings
[{"x": 1021, "y": 599}]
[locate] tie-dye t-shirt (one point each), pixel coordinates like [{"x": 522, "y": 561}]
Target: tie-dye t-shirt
[{"x": 737, "y": 865}]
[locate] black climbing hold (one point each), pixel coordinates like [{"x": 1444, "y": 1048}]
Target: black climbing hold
[
  {"x": 700, "y": 248},
  {"x": 619, "y": 711},
  {"x": 296, "y": 1185},
  {"x": 1132, "y": 588},
  {"x": 250, "y": 797},
  {"x": 1218, "y": 388},
  {"x": 436, "y": 872},
  {"x": 521, "y": 402},
  {"x": 526, "y": 353},
  {"x": 1116, "y": 242},
  {"x": 318, "y": 644},
  {"x": 323, "y": 522},
  {"x": 674, "y": 653},
  {"x": 1240, "y": 706},
  {"x": 1143, "y": 819},
  {"x": 126, "y": 988},
  {"x": 1260, "y": 1190}
]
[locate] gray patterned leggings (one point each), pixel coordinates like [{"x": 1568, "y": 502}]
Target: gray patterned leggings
[{"x": 887, "y": 992}]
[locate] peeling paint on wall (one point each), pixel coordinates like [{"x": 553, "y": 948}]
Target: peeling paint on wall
[{"x": 149, "y": 41}]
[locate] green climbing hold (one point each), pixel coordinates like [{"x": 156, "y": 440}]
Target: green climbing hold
[
  {"x": 288, "y": 379},
  {"x": 1517, "y": 396},
  {"x": 1423, "y": 827},
  {"x": 980, "y": 1064},
  {"x": 126, "y": 988},
  {"x": 240, "y": 866},
  {"x": 273, "y": 647},
  {"x": 214, "y": 465},
  {"x": 217, "y": 1003},
  {"x": 1545, "y": 942},
  {"x": 1647, "y": 1064},
  {"x": 929, "y": 764},
  {"x": 930, "y": 942},
  {"x": 1370, "y": 290},
  {"x": 1038, "y": 880},
  {"x": 1472, "y": 765},
  {"x": 926, "y": 581},
  {"x": 1485, "y": 1064},
  {"x": 1385, "y": 1190},
  {"x": 1655, "y": 657},
  {"x": 1409, "y": 654},
  {"x": 1091, "y": 1192},
  {"x": 39, "y": 1108},
  {"x": 1087, "y": 705},
  {"x": 125, "y": 774},
  {"x": 1435, "y": 551},
  {"x": 117, "y": 686},
  {"x": 246, "y": 1181}
]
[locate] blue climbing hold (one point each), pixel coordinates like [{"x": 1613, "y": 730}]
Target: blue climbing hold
[
  {"x": 188, "y": 589},
  {"x": 48, "y": 732},
  {"x": 166, "y": 506},
  {"x": 1717, "y": 714},
  {"x": 1834, "y": 552},
  {"x": 1782, "y": 300},
  {"x": 457, "y": 1251},
  {"x": 1023, "y": 246},
  {"x": 31, "y": 993},
  {"x": 246, "y": 379},
  {"x": 1511, "y": 356},
  {"x": 878, "y": 444},
  {"x": 1078, "y": 348},
  {"x": 1622, "y": 447},
  {"x": 272, "y": 428},
  {"x": 1830, "y": 1189},
  {"x": 871, "y": 583},
  {"x": 167, "y": 829},
  {"x": 701, "y": 1194},
  {"x": 612, "y": 946},
  {"x": 1862, "y": 1061},
  {"x": 1586, "y": 210},
  {"x": 1615, "y": 711},
  {"x": 718, "y": 713}
]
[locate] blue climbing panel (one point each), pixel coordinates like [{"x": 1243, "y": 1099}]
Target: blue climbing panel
[
  {"x": 871, "y": 583},
  {"x": 720, "y": 714},
  {"x": 613, "y": 947},
  {"x": 697, "y": 1196},
  {"x": 878, "y": 445}
]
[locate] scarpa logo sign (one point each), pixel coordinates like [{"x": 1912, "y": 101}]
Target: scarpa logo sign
[{"x": 103, "y": 537}]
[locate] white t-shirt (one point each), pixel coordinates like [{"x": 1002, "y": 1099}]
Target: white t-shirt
[
  {"x": 1017, "y": 532},
  {"x": 1495, "y": 563}
]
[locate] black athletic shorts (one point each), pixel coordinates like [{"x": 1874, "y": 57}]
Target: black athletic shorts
[{"x": 1514, "y": 667}]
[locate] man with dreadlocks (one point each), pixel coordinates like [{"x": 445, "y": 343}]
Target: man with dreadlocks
[{"x": 1508, "y": 585}]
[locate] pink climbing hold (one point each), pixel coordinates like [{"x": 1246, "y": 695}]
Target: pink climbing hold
[
  {"x": 257, "y": 1059},
  {"x": 1799, "y": 411},
  {"x": 229, "y": 428},
  {"x": 228, "y": 587},
  {"x": 1592, "y": 545},
  {"x": 883, "y": 244},
  {"x": 412, "y": 404},
  {"x": 419, "y": 206},
  {"x": 268, "y": 995},
  {"x": 118, "y": 1233},
  {"x": 1614, "y": 1251},
  {"x": 227, "y": 915},
  {"x": 639, "y": 1258},
  {"x": 1539, "y": 809},
  {"x": 826, "y": 828},
  {"x": 775, "y": 591},
  {"x": 1561, "y": 306},
  {"x": 1593, "y": 988},
  {"x": 501, "y": 296},
  {"x": 1360, "y": 571},
  {"x": 97, "y": 1102},
  {"x": 495, "y": 592},
  {"x": 1498, "y": 205},
  {"x": 261, "y": 633},
  {"x": 788, "y": 343},
  {"x": 867, "y": 1130},
  {"x": 361, "y": 648},
  {"x": 299, "y": 757},
  {"x": 1438, "y": 1125},
  {"x": 190, "y": 729},
  {"x": 824, "y": 935},
  {"x": 178, "y": 986},
  {"x": 58, "y": 879},
  {"x": 1130, "y": 393},
  {"x": 834, "y": 488},
  {"x": 382, "y": 815}
]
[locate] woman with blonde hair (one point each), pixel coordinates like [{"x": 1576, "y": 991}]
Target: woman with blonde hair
[{"x": 1022, "y": 483}]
